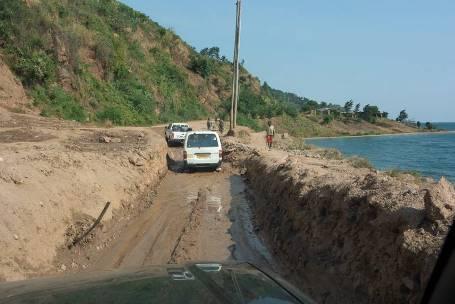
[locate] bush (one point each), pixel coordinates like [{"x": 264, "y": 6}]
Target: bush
[
  {"x": 35, "y": 68},
  {"x": 331, "y": 153},
  {"x": 327, "y": 119},
  {"x": 56, "y": 102},
  {"x": 299, "y": 144},
  {"x": 359, "y": 162},
  {"x": 201, "y": 65},
  {"x": 112, "y": 114}
]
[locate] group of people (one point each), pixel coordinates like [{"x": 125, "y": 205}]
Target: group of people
[{"x": 218, "y": 124}]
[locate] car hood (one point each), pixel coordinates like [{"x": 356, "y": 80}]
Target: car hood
[{"x": 190, "y": 283}]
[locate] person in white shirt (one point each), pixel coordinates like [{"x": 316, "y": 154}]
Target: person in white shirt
[{"x": 270, "y": 134}]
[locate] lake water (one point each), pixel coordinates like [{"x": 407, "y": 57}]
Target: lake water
[
  {"x": 450, "y": 126},
  {"x": 431, "y": 154}
]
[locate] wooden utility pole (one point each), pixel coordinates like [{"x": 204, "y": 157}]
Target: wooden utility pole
[{"x": 236, "y": 74}]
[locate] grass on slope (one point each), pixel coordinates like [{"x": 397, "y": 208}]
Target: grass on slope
[
  {"x": 98, "y": 60},
  {"x": 119, "y": 80},
  {"x": 313, "y": 126}
]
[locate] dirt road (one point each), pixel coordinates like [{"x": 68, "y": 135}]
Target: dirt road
[{"x": 203, "y": 216}]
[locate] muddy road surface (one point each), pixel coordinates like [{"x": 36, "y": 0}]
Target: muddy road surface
[{"x": 199, "y": 216}]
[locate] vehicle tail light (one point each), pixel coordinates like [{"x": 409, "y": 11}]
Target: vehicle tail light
[
  {"x": 221, "y": 153},
  {"x": 185, "y": 155}
]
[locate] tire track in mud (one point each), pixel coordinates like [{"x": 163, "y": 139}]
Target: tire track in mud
[{"x": 184, "y": 242}]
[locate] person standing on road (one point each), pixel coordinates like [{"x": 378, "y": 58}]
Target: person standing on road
[
  {"x": 221, "y": 126},
  {"x": 209, "y": 124},
  {"x": 270, "y": 134}
]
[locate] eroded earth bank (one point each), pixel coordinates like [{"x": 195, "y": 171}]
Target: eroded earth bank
[
  {"x": 56, "y": 178},
  {"x": 346, "y": 234},
  {"x": 341, "y": 234}
]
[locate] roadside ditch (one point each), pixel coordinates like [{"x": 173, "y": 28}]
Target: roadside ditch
[
  {"x": 339, "y": 233},
  {"x": 344, "y": 234}
]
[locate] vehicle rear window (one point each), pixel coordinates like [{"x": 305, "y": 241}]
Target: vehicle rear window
[
  {"x": 179, "y": 128},
  {"x": 202, "y": 140}
]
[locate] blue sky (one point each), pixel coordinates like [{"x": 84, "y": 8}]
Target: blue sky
[{"x": 393, "y": 53}]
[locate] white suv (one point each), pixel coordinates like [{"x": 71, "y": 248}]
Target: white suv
[
  {"x": 202, "y": 149},
  {"x": 176, "y": 132}
]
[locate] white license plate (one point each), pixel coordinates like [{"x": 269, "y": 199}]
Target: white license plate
[{"x": 203, "y": 155}]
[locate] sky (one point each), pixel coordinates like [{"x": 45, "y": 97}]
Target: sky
[{"x": 397, "y": 54}]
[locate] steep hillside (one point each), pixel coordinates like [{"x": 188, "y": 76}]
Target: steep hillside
[{"x": 99, "y": 60}]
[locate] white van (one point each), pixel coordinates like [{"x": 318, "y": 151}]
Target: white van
[{"x": 202, "y": 149}]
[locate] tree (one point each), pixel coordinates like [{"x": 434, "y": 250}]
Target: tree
[
  {"x": 348, "y": 106},
  {"x": 213, "y": 52},
  {"x": 429, "y": 125},
  {"x": 403, "y": 116},
  {"x": 309, "y": 105},
  {"x": 357, "y": 108},
  {"x": 370, "y": 113},
  {"x": 385, "y": 114},
  {"x": 419, "y": 124}
]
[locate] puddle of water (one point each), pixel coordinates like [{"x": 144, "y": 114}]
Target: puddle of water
[{"x": 252, "y": 239}]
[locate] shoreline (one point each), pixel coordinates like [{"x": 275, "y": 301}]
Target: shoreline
[
  {"x": 420, "y": 171},
  {"x": 385, "y": 134}
]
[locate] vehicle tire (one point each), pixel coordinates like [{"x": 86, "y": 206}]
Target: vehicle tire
[{"x": 189, "y": 169}]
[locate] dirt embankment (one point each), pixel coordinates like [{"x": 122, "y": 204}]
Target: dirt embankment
[
  {"x": 355, "y": 235},
  {"x": 12, "y": 93},
  {"x": 56, "y": 177}
]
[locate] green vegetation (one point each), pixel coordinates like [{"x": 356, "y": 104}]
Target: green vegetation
[
  {"x": 402, "y": 116},
  {"x": 357, "y": 109},
  {"x": 370, "y": 113},
  {"x": 348, "y": 106},
  {"x": 302, "y": 126},
  {"x": 91, "y": 60},
  {"x": 56, "y": 102},
  {"x": 429, "y": 125}
]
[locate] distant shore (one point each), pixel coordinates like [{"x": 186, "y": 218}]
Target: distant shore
[{"x": 385, "y": 134}]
